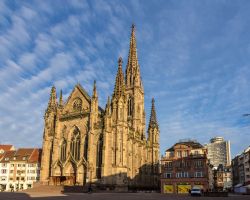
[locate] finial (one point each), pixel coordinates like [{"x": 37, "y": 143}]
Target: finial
[
  {"x": 52, "y": 100},
  {"x": 108, "y": 106},
  {"x": 133, "y": 26},
  {"x": 94, "y": 89},
  {"x": 153, "y": 121},
  {"x": 120, "y": 61},
  {"x": 61, "y": 98}
]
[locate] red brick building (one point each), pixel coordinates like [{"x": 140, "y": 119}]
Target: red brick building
[{"x": 185, "y": 165}]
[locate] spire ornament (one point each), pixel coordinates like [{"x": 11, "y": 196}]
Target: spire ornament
[
  {"x": 132, "y": 68},
  {"x": 52, "y": 101},
  {"x": 61, "y": 99},
  {"x": 153, "y": 120},
  {"x": 119, "y": 89},
  {"x": 94, "y": 90}
]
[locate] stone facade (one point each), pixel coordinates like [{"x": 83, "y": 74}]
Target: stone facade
[{"x": 84, "y": 144}]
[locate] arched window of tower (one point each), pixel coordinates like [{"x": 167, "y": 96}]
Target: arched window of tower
[
  {"x": 63, "y": 150},
  {"x": 75, "y": 145}
]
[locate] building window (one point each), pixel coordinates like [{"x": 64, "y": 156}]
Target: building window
[
  {"x": 4, "y": 165},
  {"x": 63, "y": 150},
  {"x": 167, "y": 175},
  {"x": 75, "y": 145},
  {"x": 168, "y": 164},
  {"x": 4, "y": 171},
  {"x": 198, "y": 163},
  {"x": 3, "y": 178},
  {"x": 85, "y": 154},
  {"x": 6, "y": 159},
  {"x": 178, "y": 154},
  {"x": 77, "y": 105},
  {"x": 99, "y": 157},
  {"x": 130, "y": 107},
  {"x": 182, "y": 175},
  {"x": 185, "y": 153},
  {"x": 198, "y": 174}
]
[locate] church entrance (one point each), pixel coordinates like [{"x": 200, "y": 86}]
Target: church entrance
[{"x": 64, "y": 180}]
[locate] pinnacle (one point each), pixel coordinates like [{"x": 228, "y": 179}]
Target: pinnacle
[
  {"x": 153, "y": 121},
  {"x": 52, "y": 101},
  {"x": 94, "y": 90},
  {"x": 61, "y": 99},
  {"x": 119, "y": 82}
]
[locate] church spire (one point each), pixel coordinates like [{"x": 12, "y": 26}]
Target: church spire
[
  {"x": 119, "y": 81},
  {"x": 153, "y": 121},
  {"x": 107, "y": 109},
  {"x": 132, "y": 69}
]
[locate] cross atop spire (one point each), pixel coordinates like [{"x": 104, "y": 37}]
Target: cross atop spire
[
  {"x": 119, "y": 81},
  {"x": 153, "y": 121}
]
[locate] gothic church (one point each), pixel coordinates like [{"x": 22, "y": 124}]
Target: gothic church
[{"x": 85, "y": 144}]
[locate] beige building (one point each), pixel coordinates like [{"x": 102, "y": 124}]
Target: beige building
[
  {"x": 19, "y": 169},
  {"x": 84, "y": 144}
]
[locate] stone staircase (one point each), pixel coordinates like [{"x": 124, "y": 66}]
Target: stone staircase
[{"x": 40, "y": 188}]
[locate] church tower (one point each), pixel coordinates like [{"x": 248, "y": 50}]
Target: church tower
[
  {"x": 153, "y": 144},
  {"x": 48, "y": 135},
  {"x": 134, "y": 90}
]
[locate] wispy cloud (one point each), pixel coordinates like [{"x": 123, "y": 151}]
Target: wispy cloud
[{"x": 193, "y": 57}]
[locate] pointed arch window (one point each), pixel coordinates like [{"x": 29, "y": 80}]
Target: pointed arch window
[
  {"x": 85, "y": 154},
  {"x": 99, "y": 157},
  {"x": 130, "y": 107},
  {"x": 75, "y": 145},
  {"x": 63, "y": 150}
]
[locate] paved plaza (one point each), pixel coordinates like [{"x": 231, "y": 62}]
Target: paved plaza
[{"x": 109, "y": 196}]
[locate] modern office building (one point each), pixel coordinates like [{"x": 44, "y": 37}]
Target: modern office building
[{"x": 219, "y": 152}]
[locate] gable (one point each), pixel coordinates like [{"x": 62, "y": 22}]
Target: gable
[{"x": 78, "y": 100}]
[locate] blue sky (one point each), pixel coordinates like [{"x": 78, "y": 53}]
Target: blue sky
[{"x": 194, "y": 58}]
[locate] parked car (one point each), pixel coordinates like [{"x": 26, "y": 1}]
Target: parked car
[{"x": 196, "y": 192}]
